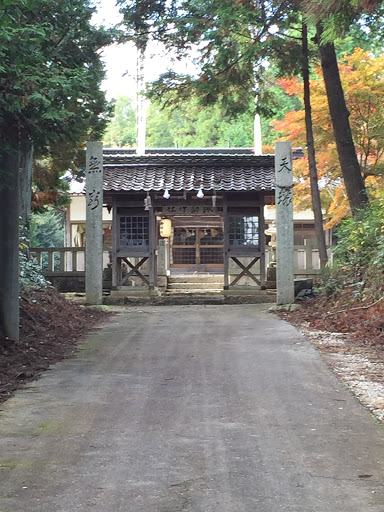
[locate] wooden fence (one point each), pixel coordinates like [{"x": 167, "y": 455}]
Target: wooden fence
[{"x": 71, "y": 260}]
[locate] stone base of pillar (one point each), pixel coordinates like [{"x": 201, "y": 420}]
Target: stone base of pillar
[{"x": 271, "y": 277}]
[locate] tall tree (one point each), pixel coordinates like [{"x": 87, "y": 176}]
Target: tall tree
[
  {"x": 363, "y": 85},
  {"x": 334, "y": 19},
  {"x": 315, "y": 192},
  {"x": 50, "y": 75},
  {"x": 234, "y": 40},
  {"x": 349, "y": 163},
  {"x": 225, "y": 39}
]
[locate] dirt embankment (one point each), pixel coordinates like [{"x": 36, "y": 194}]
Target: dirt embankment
[{"x": 51, "y": 328}]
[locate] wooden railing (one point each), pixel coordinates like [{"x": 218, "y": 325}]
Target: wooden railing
[
  {"x": 71, "y": 260},
  {"x": 63, "y": 260},
  {"x": 56, "y": 260},
  {"x": 306, "y": 259}
]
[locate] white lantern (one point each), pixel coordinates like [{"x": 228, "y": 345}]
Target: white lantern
[{"x": 165, "y": 228}]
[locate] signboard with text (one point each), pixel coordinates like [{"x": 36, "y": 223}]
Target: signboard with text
[{"x": 189, "y": 210}]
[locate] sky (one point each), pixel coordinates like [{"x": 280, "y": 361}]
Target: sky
[{"x": 120, "y": 60}]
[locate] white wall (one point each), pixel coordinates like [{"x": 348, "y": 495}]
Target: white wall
[{"x": 77, "y": 209}]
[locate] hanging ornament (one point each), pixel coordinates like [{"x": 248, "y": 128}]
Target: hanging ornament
[{"x": 147, "y": 202}]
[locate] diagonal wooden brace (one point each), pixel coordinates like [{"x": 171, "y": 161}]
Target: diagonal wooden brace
[
  {"x": 135, "y": 270},
  {"x": 245, "y": 271}
]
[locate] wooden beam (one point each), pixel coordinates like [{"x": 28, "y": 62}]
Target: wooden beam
[
  {"x": 244, "y": 251},
  {"x": 186, "y": 202},
  {"x": 129, "y": 204},
  {"x": 245, "y": 271},
  {"x": 244, "y": 204},
  {"x": 135, "y": 270},
  {"x": 190, "y": 201}
]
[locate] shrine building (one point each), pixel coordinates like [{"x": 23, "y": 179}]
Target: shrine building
[{"x": 198, "y": 211}]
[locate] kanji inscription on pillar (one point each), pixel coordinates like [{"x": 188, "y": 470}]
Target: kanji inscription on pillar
[
  {"x": 94, "y": 224},
  {"x": 284, "y": 223}
]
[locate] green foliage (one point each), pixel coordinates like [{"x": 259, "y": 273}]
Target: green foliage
[
  {"x": 359, "y": 255},
  {"x": 121, "y": 130},
  {"x": 361, "y": 19},
  {"x": 193, "y": 125},
  {"x": 234, "y": 40},
  {"x": 140, "y": 16},
  {"x": 160, "y": 127},
  {"x": 361, "y": 239},
  {"x": 30, "y": 276},
  {"x": 50, "y": 75},
  {"x": 47, "y": 229}
]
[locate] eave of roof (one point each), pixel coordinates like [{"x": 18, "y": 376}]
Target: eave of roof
[{"x": 188, "y": 171}]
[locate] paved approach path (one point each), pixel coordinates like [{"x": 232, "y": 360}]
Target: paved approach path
[{"x": 191, "y": 409}]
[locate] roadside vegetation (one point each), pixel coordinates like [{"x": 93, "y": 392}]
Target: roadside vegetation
[
  {"x": 358, "y": 264},
  {"x": 50, "y": 326},
  {"x": 345, "y": 322},
  {"x": 351, "y": 291}
]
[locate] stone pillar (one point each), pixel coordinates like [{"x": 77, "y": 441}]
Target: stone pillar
[
  {"x": 94, "y": 224},
  {"x": 284, "y": 224}
]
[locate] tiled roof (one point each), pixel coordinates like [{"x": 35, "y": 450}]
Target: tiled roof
[{"x": 188, "y": 171}]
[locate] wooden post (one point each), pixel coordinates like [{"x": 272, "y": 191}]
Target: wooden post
[
  {"x": 226, "y": 241},
  {"x": 308, "y": 254},
  {"x": 114, "y": 244},
  {"x": 94, "y": 224},
  {"x": 284, "y": 223},
  {"x": 74, "y": 261},
  {"x": 152, "y": 249},
  {"x": 62, "y": 260},
  {"x": 51, "y": 265},
  {"x": 262, "y": 248}
]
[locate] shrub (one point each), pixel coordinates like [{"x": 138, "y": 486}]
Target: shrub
[
  {"x": 361, "y": 239},
  {"x": 358, "y": 264},
  {"x": 30, "y": 276}
]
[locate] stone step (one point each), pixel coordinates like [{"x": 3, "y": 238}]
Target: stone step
[
  {"x": 215, "y": 299},
  {"x": 195, "y": 285},
  {"x": 194, "y": 291},
  {"x": 190, "y": 299},
  {"x": 195, "y": 300},
  {"x": 196, "y": 278}
]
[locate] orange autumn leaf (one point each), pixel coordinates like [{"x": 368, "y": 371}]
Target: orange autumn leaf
[{"x": 363, "y": 83}]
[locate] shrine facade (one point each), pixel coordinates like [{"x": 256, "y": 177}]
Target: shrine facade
[{"x": 203, "y": 208}]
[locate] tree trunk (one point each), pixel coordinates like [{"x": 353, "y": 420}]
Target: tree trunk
[
  {"x": 350, "y": 168},
  {"x": 25, "y": 180},
  {"x": 315, "y": 193},
  {"x": 9, "y": 241}
]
